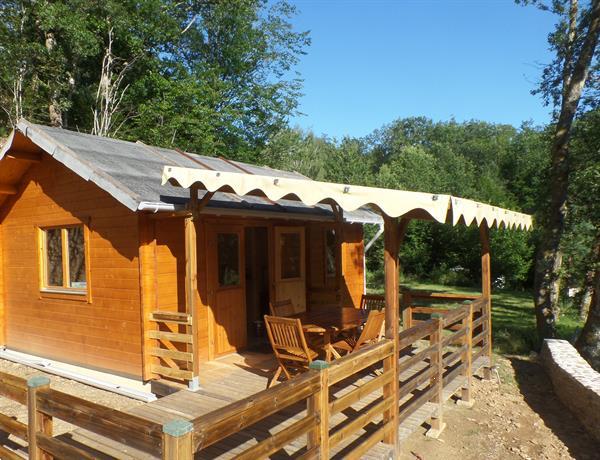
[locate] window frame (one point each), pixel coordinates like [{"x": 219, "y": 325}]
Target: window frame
[
  {"x": 239, "y": 260},
  {"x": 336, "y": 253},
  {"x": 64, "y": 291}
]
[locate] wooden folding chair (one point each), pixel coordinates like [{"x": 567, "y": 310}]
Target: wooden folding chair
[
  {"x": 282, "y": 308},
  {"x": 289, "y": 346},
  {"x": 371, "y": 333},
  {"x": 372, "y": 302}
]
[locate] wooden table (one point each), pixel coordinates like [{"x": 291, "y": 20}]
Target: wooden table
[{"x": 331, "y": 320}]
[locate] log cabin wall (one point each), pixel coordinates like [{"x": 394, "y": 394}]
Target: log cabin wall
[
  {"x": 167, "y": 261},
  {"x": 100, "y": 330}
]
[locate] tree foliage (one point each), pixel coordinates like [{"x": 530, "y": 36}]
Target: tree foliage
[{"x": 210, "y": 77}]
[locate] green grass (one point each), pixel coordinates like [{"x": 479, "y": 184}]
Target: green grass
[{"x": 513, "y": 319}]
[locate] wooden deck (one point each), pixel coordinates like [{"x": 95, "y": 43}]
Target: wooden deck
[
  {"x": 222, "y": 382},
  {"x": 238, "y": 376}
]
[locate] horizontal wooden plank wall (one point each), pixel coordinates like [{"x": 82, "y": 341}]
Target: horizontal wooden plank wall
[{"x": 103, "y": 333}]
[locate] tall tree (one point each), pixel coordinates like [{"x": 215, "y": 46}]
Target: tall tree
[
  {"x": 564, "y": 80},
  {"x": 206, "y": 76}
]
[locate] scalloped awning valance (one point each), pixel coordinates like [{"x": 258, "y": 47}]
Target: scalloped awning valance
[{"x": 393, "y": 203}]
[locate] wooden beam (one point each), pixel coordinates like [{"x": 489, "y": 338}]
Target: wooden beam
[
  {"x": 486, "y": 289},
  {"x": 7, "y": 189},
  {"x": 391, "y": 244},
  {"x": 25, "y": 156},
  {"x": 191, "y": 281}
]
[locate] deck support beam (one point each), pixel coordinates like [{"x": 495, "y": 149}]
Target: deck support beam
[
  {"x": 391, "y": 245},
  {"x": 486, "y": 291}
]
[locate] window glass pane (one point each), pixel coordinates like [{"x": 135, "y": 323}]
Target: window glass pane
[
  {"x": 76, "y": 258},
  {"x": 54, "y": 268},
  {"x": 330, "y": 250},
  {"x": 228, "y": 247},
  {"x": 290, "y": 255}
]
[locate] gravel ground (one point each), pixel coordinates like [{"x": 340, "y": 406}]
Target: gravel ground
[{"x": 516, "y": 416}]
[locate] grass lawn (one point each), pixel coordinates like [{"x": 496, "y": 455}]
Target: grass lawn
[{"x": 513, "y": 319}]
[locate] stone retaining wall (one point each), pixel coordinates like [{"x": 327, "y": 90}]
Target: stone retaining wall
[{"x": 576, "y": 384}]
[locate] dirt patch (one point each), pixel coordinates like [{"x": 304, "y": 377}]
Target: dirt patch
[
  {"x": 515, "y": 416},
  {"x": 106, "y": 398}
]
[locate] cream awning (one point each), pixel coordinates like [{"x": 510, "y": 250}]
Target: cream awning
[{"x": 394, "y": 203}]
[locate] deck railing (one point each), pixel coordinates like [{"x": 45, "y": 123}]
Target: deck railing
[
  {"x": 317, "y": 399},
  {"x": 418, "y": 306},
  {"x": 342, "y": 409},
  {"x": 173, "y": 355},
  {"x": 45, "y": 404}
]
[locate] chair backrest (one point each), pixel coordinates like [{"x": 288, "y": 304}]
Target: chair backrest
[
  {"x": 287, "y": 338},
  {"x": 282, "y": 308},
  {"x": 372, "y": 302},
  {"x": 372, "y": 331}
]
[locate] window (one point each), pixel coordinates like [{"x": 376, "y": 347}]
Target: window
[
  {"x": 63, "y": 259},
  {"x": 291, "y": 259},
  {"x": 228, "y": 250},
  {"x": 330, "y": 253}
]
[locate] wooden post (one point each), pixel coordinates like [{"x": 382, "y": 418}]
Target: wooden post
[
  {"x": 391, "y": 245},
  {"x": 177, "y": 440},
  {"x": 486, "y": 290},
  {"x": 37, "y": 422},
  {"x": 437, "y": 381},
  {"x": 318, "y": 405},
  {"x": 466, "y": 399},
  {"x": 191, "y": 283},
  {"x": 406, "y": 299},
  {"x": 406, "y": 310}
]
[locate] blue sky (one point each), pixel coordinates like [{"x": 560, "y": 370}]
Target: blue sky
[{"x": 372, "y": 61}]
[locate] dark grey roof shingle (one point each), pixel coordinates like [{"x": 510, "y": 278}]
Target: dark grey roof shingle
[{"x": 131, "y": 172}]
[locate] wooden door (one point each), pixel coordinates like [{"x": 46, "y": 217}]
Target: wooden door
[
  {"x": 226, "y": 287},
  {"x": 290, "y": 266}
]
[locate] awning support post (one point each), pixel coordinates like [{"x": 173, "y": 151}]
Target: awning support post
[
  {"x": 191, "y": 283},
  {"x": 486, "y": 292},
  {"x": 391, "y": 244}
]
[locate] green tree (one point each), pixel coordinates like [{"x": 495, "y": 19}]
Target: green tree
[
  {"x": 564, "y": 81},
  {"x": 212, "y": 77}
]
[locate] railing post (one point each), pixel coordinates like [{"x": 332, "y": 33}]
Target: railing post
[
  {"x": 37, "y": 422},
  {"x": 406, "y": 310},
  {"x": 177, "y": 440},
  {"x": 318, "y": 405},
  {"x": 437, "y": 381},
  {"x": 467, "y": 323}
]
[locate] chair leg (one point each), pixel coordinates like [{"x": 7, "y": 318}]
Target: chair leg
[{"x": 275, "y": 377}]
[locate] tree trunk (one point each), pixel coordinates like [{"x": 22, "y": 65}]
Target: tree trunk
[
  {"x": 549, "y": 257},
  {"x": 54, "y": 109},
  {"x": 588, "y": 342},
  {"x": 584, "y": 298}
]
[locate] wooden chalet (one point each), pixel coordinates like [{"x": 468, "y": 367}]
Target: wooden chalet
[
  {"x": 93, "y": 255},
  {"x": 159, "y": 264}
]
